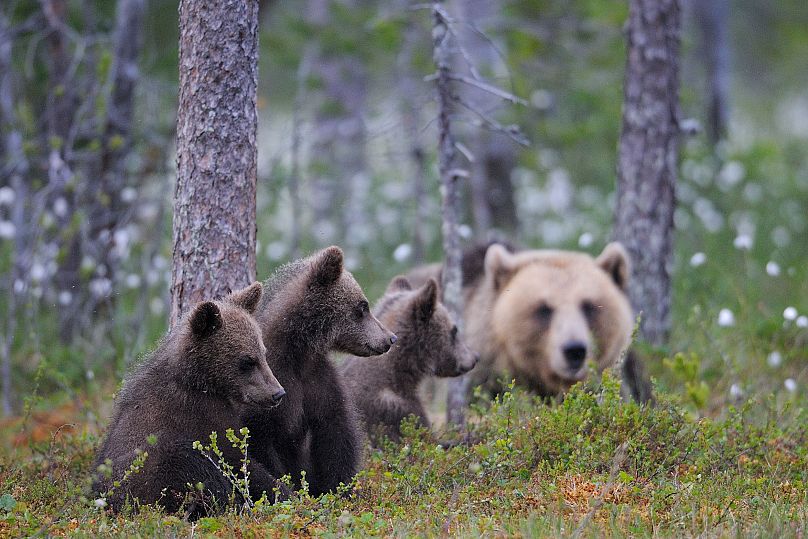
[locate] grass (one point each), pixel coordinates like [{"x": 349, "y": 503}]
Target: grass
[{"x": 532, "y": 469}]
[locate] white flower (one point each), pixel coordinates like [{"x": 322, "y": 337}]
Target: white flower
[
  {"x": 7, "y": 230},
  {"x": 19, "y": 286},
  {"x": 128, "y": 194},
  {"x": 698, "y": 259},
  {"x": 65, "y": 298},
  {"x": 7, "y": 196},
  {"x": 402, "y": 252},
  {"x": 60, "y": 207},
  {"x": 585, "y": 240},
  {"x": 100, "y": 503},
  {"x": 790, "y": 313},
  {"x": 37, "y": 272},
  {"x": 743, "y": 242},
  {"x": 464, "y": 231},
  {"x": 101, "y": 288},
  {"x": 133, "y": 280},
  {"x": 774, "y": 359},
  {"x": 735, "y": 391},
  {"x": 790, "y": 384},
  {"x": 731, "y": 173},
  {"x": 90, "y": 374},
  {"x": 773, "y": 268},
  {"x": 802, "y": 321},
  {"x": 726, "y": 318}
]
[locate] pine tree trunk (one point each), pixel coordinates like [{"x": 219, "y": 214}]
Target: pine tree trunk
[
  {"x": 648, "y": 156},
  {"x": 214, "y": 202}
]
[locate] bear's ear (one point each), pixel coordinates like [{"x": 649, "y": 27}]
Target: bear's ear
[
  {"x": 247, "y": 298},
  {"x": 423, "y": 306},
  {"x": 399, "y": 284},
  {"x": 615, "y": 262},
  {"x": 499, "y": 264},
  {"x": 205, "y": 319},
  {"x": 327, "y": 267}
]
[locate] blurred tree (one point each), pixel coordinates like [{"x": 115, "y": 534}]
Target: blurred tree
[
  {"x": 214, "y": 202},
  {"x": 647, "y": 161},
  {"x": 339, "y": 178},
  {"x": 712, "y": 17},
  {"x": 493, "y": 199}
]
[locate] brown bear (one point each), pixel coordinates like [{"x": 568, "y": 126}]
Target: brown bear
[
  {"x": 203, "y": 376},
  {"x": 385, "y": 388},
  {"x": 311, "y": 307},
  {"x": 538, "y": 315}
]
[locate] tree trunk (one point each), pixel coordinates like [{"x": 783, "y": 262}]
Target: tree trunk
[
  {"x": 648, "y": 158},
  {"x": 411, "y": 120},
  {"x": 451, "y": 279},
  {"x": 117, "y": 134},
  {"x": 712, "y": 17},
  {"x": 493, "y": 199},
  {"x": 214, "y": 202}
]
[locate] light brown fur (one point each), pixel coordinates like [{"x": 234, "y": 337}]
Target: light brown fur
[{"x": 528, "y": 310}]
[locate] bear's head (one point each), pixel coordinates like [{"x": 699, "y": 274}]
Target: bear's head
[
  {"x": 428, "y": 335},
  {"x": 223, "y": 353},
  {"x": 553, "y": 310},
  {"x": 334, "y": 303}
]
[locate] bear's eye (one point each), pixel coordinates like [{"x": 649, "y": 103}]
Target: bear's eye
[
  {"x": 589, "y": 309},
  {"x": 362, "y": 309},
  {"x": 454, "y": 334},
  {"x": 247, "y": 363},
  {"x": 544, "y": 312}
]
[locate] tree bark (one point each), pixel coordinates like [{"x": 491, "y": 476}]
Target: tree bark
[
  {"x": 648, "y": 153},
  {"x": 451, "y": 278},
  {"x": 712, "y": 17},
  {"x": 214, "y": 202}
]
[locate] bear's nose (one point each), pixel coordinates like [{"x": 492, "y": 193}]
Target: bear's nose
[
  {"x": 278, "y": 395},
  {"x": 575, "y": 354}
]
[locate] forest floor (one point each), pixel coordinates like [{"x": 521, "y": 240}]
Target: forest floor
[{"x": 590, "y": 466}]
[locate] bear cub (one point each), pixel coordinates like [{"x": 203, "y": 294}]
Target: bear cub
[
  {"x": 203, "y": 377},
  {"x": 311, "y": 307},
  {"x": 385, "y": 388}
]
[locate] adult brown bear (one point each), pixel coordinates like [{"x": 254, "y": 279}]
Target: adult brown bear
[{"x": 539, "y": 315}]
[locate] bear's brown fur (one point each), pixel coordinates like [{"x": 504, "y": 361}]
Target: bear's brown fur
[
  {"x": 537, "y": 315},
  {"x": 310, "y": 307},
  {"x": 202, "y": 378},
  {"x": 385, "y": 388}
]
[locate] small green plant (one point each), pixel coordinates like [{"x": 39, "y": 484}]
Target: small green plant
[
  {"x": 240, "y": 483},
  {"x": 686, "y": 368},
  {"x": 105, "y": 470}
]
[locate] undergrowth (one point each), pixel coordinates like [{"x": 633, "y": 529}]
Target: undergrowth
[{"x": 527, "y": 468}]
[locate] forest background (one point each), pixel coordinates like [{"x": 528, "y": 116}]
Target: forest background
[{"x": 347, "y": 154}]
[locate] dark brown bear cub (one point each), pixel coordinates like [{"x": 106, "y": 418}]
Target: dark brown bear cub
[
  {"x": 385, "y": 388},
  {"x": 202, "y": 378},
  {"x": 310, "y": 307}
]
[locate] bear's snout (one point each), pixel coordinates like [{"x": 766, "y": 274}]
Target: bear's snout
[
  {"x": 575, "y": 354},
  {"x": 278, "y": 396}
]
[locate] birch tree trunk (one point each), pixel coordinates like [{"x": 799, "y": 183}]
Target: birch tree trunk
[
  {"x": 214, "y": 202},
  {"x": 451, "y": 279},
  {"x": 648, "y": 153}
]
